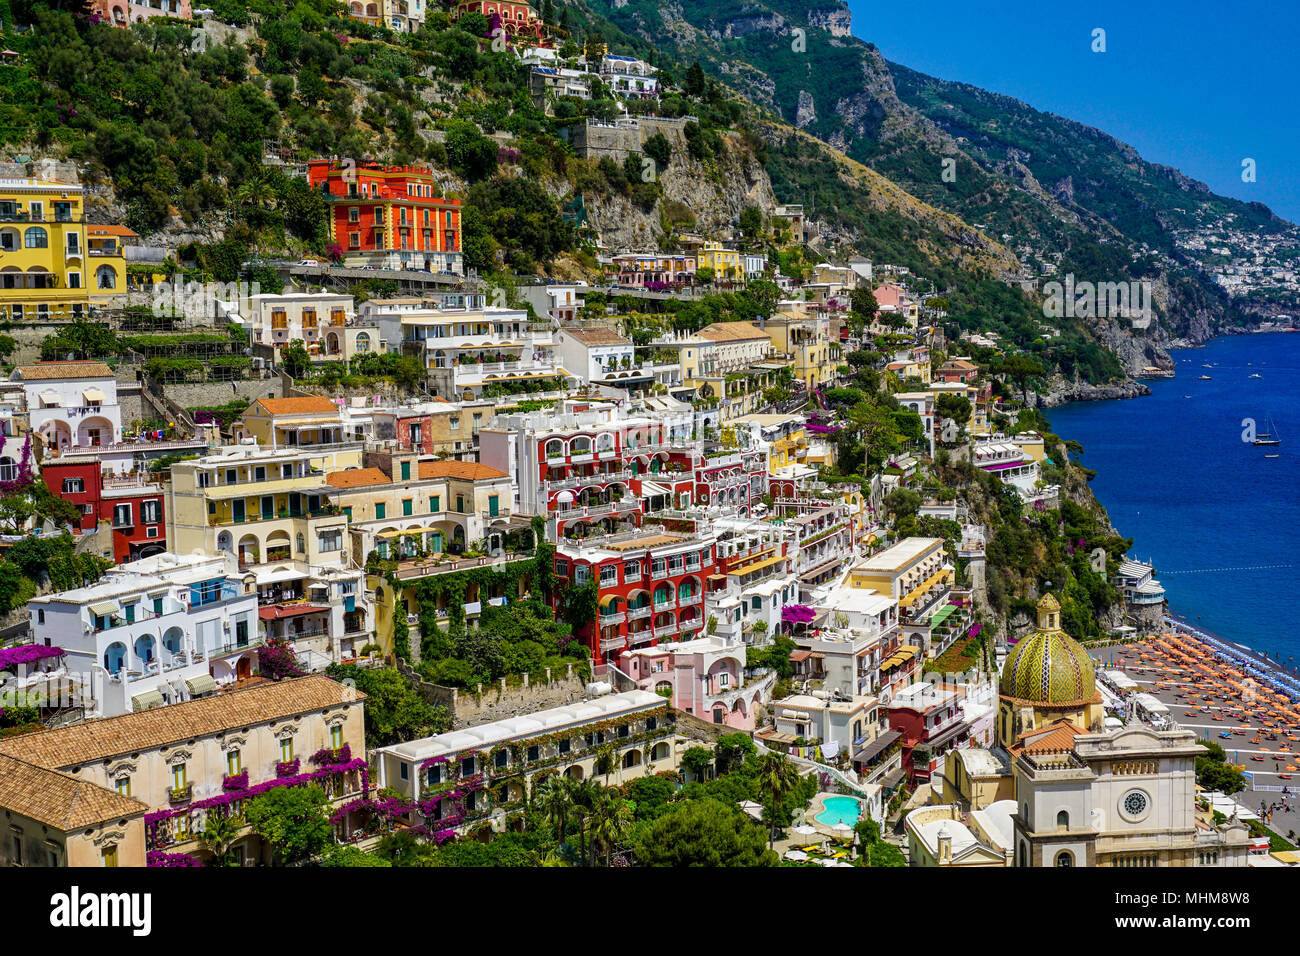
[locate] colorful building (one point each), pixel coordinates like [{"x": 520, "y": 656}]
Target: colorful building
[
  {"x": 44, "y": 248},
  {"x": 123, "y": 13},
  {"x": 131, "y": 506},
  {"x": 704, "y": 677},
  {"x": 379, "y": 213},
  {"x": 70, "y": 405},
  {"x": 519, "y": 20}
]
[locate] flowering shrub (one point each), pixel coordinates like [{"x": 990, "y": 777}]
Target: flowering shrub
[
  {"x": 159, "y": 858},
  {"x": 288, "y": 768},
  {"x": 236, "y": 781},
  {"x": 329, "y": 755},
  {"x": 26, "y": 653},
  {"x": 276, "y": 660},
  {"x": 23, "y": 476},
  {"x": 797, "y": 614}
]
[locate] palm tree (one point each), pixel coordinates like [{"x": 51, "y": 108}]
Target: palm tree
[
  {"x": 585, "y": 794},
  {"x": 555, "y": 799},
  {"x": 219, "y": 832},
  {"x": 776, "y": 778},
  {"x": 611, "y": 819}
]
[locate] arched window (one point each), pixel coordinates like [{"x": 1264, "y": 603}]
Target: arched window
[
  {"x": 302, "y": 544},
  {"x": 1064, "y": 858},
  {"x": 105, "y": 278},
  {"x": 1024, "y": 856},
  {"x": 225, "y": 542},
  {"x": 1063, "y": 820},
  {"x": 36, "y": 238},
  {"x": 555, "y": 448},
  {"x": 363, "y": 342}
]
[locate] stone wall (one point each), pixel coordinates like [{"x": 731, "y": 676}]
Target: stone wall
[
  {"x": 498, "y": 701},
  {"x": 195, "y": 394},
  {"x": 707, "y": 733}
]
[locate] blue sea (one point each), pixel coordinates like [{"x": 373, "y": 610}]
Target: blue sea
[{"x": 1220, "y": 522}]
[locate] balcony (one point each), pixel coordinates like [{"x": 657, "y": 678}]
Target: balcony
[
  {"x": 666, "y": 630},
  {"x": 665, "y": 605},
  {"x": 179, "y": 795},
  {"x": 612, "y": 620},
  {"x": 606, "y": 643},
  {"x": 637, "y": 613},
  {"x": 689, "y": 600}
]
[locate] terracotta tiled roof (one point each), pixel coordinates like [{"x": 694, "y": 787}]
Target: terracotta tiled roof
[
  {"x": 1054, "y": 738},
  {"x": 60, "y": 800},
  {"x": 106, "y": 230},
  {"x": 44, "y": 371},
  {"x": 311, "y": 404},
  {"x": 597, "y": 335},
  {"x": 464, "y": 470},
  {"x": 148, "y": 730},
  {"x": 731, "y": 332},
  {"x": 356, "y": 478}
]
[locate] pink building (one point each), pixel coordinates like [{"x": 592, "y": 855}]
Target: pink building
[
  {"x": 704, "y": 677},
  {"x": 121, "y": 13}
]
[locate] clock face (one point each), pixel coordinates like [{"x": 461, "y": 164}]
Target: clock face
[{"x": 1134, "y": 803}]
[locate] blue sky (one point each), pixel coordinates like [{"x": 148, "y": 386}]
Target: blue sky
[{"x": 1195, "y": 85}]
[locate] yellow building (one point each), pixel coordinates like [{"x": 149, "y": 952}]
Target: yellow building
[
  {"x": 292, "y": 422},
  {"x": 107, "y": 268},
  {"x": 398, "y": 506},
  {"x": 1047, "y": 677},
  {"x": 43, "y": 250},
  {"x": 54, "y": 819},
  {"x": 161, "y": 759},
  {"x": 807, "y": 342},
  {"x": 264, "y": 505},
  {"x": 725, "y": 263}
]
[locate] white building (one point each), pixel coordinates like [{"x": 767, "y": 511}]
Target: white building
[
  {"x": 276, "y": 320},
  {"x": 71, "y": 404},
  {"x": 599, "y": 354},
  {"x": 151, "y": 632},
  {"x": 835, "y": 722}
]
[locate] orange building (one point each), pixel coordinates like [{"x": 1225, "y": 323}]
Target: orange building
[
  {"x": 390, "y": 215},
  {"x": 517, "y": 19}
]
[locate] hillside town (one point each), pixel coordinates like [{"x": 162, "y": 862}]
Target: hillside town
[{"x": 736, "y": 551}]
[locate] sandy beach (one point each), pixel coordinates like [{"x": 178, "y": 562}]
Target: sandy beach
[{"x": 1226, "y": 694}]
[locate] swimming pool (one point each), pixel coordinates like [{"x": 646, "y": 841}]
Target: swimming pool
[{"x": 840, "y": 810}]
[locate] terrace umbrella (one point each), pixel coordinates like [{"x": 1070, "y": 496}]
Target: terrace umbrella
[
  {"x": 796, "y": 856},
  {"x": 804, "y": 834},
  {"x": 842, "y": 831}
]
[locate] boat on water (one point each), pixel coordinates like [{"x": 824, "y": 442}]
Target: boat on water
[
  {"x": 1204, "y": 378},
  {"x": 1256, "y": 375},
  {"x": 1268, "y": 437},
  {"x": 1271, "y": 456}
]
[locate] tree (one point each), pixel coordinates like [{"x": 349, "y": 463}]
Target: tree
[
  {"x": 651, "y": 795},
  {"x": 658, "y": 148},
  {"x": 470, "y": 153},
  {"x": 219, "y": 832},
  {"x": 1213, "y": 772},
  {"x": 751, "y": 223},
  {"x": 698, "y": 760},
  {"x": 1020, "y": 368},
  {"x": 956, "y": 408},
  {"x": 731, "y": 750},
  {"x": 292, "y": 820},
  {"x": 695, "y": 83},
  {"x": 777, "y": 776},
  {"x": 704, "y": 832},
  {"x": 555, "y": 800},
  {"x": 295, "y": 359},
  {"x": 862, "y": 307},
  {"x": 611, "y": 820},
  {"x": 394, "y": 710},
  {"x": 875, "y": 851}
]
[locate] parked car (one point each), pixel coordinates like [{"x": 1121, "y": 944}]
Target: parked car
[{"x": 309, "y": 262}]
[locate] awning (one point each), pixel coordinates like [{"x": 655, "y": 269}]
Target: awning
[
  {"x": 93, "y": 395},
  {"x": 412, "y": 532},
  {"x": 878, "y": 746},
  {"x": 921, "y": 588},
  {"x": 103, "y": 608},
  {"x": 50, "y": 397},
  {"x": 146, "y": 701},
  {"x": 941, "y": 615},
  {"x": 758, "y": 565},
  {"x": 952, "y": 732},
  {"x": 279, "y": 575},
  {"x": 653, "y": 489},
  {"x": 203, "y": 684},
  {"x": 278, "y": 612}
]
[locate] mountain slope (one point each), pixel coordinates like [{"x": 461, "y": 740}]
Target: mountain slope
[{"x": 1062, "y": 195}]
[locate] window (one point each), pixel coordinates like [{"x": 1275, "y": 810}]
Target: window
[
  {"x": 502, "y": 759},
  {"x": 460, "y": 504},
  {"x": 151, "y": 511},
  {"x": 561, "y": 568},
  {"x": 433, "y": 775},
  {"x": 1063, "y": 821},
  {"x": 234, "y": 762},
  {"x": 123, "y": 785},
  {"x": 724, "y": 679},
  {"x": 534, "y": 752},
  {"x": 404, "y": 770},
  {"x": 406, "y": 471},
  {"x": 435, "y": 503},
  {"x": 40, "y": 616},
  {"x": 609, "y": 575},
  {"x": 178, "y": 776},
  {"x": 122, "y": 516},
  {"x": 336, "y": 737},
  {"x": 1065, "y": 858},
  {"x": 36, "y": 238},
  {"x": 467, "y": 767},
  {"x": 407, "y": 505},
  {"x": 566, "y": 744},
  {"x": 453, "y": 424},
  {"x": 581, "y": 574},
  {"x": 286, "y": 749},
  {"x": 109, "y": 855},
  {"x": 494, "y": 506},
  {"x": 413, "y": 432},
  {"x": 330, "y": 541},
  {"x": 74, "y": 486},
  {"x": 381, "y": 510}
]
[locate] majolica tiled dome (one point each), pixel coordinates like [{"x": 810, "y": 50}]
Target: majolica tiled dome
[{"x": 1049, "y": 667}]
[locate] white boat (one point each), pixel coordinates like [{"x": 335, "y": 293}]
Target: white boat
[
  {"x": 1269, "y": 437},
  {"x": 1204, "y": 378},
  {"x": 1256, "y": 375}
]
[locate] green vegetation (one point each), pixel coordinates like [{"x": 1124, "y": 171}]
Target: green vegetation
[
  {"x": 395, "y": 711},
  {"x": 1213, "y": 772}
]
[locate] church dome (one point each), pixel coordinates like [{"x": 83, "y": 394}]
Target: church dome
[{"x": 1049, "y": 667}]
